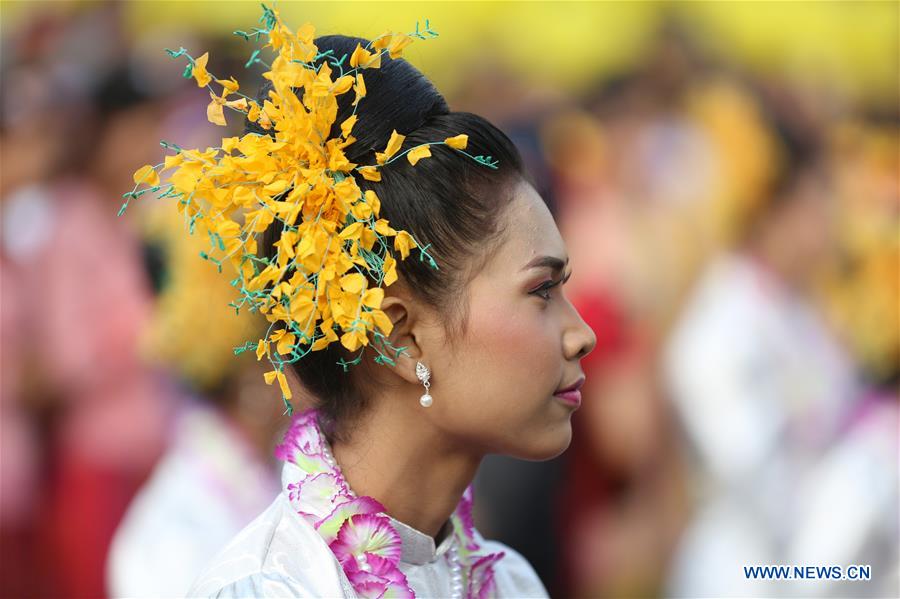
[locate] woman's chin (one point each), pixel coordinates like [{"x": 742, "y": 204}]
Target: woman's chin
[{"x": 549, "y": 445}]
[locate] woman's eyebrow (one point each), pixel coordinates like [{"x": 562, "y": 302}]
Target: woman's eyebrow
[{"x": 554, "y": 263}]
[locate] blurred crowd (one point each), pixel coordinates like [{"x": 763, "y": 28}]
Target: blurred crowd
[{"x": 733, "y": 235}]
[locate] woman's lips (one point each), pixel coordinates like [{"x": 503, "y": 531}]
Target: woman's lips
[
  {"x": 573, "y": 398},
  {"x": 571, "y": 394}
]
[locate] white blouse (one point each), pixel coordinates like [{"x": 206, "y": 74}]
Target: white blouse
[
  {"x": 280, "y": 554},
  {"x": 206, "y": 488}
]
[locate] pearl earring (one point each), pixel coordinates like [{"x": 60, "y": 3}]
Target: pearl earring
[{"x": 424, "y": 375}]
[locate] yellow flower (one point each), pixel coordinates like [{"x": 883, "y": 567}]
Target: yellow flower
[
  {"x": 383, "y": 41},
  {"x": 231, "y": 85},
  {"x": 353, "y": 283},
  {"x": 147, "y": 175},
  {"x": 239, "y": 104},
  {"x": 373, "y": 201},
  {"x": 306, "y": 32},
  {"x": 383, "y": 228},
  {"x": 458, "y": 142},
  {"x": 352, "y": 231},
  {"x": 347, "y": 125},
  {"x": 253, "y": 114},
  {"x": 273, "y": 375},
  {"x": 285, "y": 344},
  {"x": 329, "y": 237},
  {"x": 364, "y": 58},
  {"x": 418, "y": 153},
  {"x": 215, "y": 112},
  {"x": 393, "y": 146},
  {"x": 361, "y": 210},
  {"x": 342, "y": 85},
  {"x": 199, "y": 70},
  {"x": 370, "y": 173},
  {"x": 403, "y": 242},
  {"x": 360, "y": 89},
  {"x": 399, "y": 41},
  {"x": 373, "y": 297},
  {"x": 382, "y": 321},
  {"x": 353, "y": 339},
  {"x": 390, "y": 270},
  {"x": 285, "y": 389},
  {"x": 173, "y": 160}
]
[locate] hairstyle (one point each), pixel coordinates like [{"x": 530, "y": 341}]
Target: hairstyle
[{"x": 448, "y": 202}]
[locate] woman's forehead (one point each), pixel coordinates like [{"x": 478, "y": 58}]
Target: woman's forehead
[{"x": 531, "y": 232}]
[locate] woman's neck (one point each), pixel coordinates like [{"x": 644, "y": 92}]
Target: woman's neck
[{"x": 401, "y": 461}]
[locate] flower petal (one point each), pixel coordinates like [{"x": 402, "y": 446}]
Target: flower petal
[
  {"x": 398, "y": 43},
  {"x": 215, "y": 112},
  {"x": 393, "y": 146},
  {"x": 147, "y": 175},
  {"x": 347, "y": 125},
  {"x": 318, "y": 494},
  {"x": 370, "y": 173},
  {"x": 458, "y": 142},
  {"x": 199, "y": 70},
  {"x": 416, "y": 154},
  {"x": 366, "y": 533},
  {"x": 329, "y": 526}
]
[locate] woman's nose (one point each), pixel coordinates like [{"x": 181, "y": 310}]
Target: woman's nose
[{"x": 581, "y": 338}]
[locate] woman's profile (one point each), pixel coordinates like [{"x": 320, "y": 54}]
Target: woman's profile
[{"x": 484, "y": 347}]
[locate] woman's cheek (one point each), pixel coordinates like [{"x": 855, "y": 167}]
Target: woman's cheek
[{"x": 514, "y": 344}]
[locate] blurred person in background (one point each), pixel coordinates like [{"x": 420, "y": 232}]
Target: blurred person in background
[
  {"x": 852, "y": 492},
  {"x": 221, "y": 435},
  {"x": 89, "y": 413},
  {"x": 217, "y": 472},
  {"x": 763, "y": 387}
]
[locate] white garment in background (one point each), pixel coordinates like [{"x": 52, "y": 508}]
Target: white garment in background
[
  {"x": 762, "y": 389},
  {"x": 208, "y": 485},
  {"x": 281, "y": 555}
]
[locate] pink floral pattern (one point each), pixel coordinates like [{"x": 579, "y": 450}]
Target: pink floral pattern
[
  {"x": 317, "y": 493},
  {"x": 481, "y": 582},
  {"x": 357, "y": 529}
]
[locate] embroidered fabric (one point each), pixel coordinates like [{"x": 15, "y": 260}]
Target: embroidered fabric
[{"x": 281, "y": 553}]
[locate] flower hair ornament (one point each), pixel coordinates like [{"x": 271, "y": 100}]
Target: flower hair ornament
[{"x": 332, "y": 244}]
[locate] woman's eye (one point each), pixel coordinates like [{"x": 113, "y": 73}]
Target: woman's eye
[{"x": 544, "y": 290}]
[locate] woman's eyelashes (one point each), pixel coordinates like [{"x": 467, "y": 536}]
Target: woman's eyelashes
[{"x": 544, "y": 290}]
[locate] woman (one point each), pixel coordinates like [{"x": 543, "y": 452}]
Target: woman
[{"x": 376, "y": 497}]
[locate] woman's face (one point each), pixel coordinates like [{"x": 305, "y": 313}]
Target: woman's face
[{"x": 494, "y": 388}]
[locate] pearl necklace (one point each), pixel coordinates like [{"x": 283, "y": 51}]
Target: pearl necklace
[
  {"x": 456, "y": 584},
  {"x": 452, "y": 555}
]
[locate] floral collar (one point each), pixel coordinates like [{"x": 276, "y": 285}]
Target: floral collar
[{"x": 358, "y": 530}]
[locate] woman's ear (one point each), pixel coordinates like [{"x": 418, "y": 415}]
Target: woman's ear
[{"x": 398, "y": 309}]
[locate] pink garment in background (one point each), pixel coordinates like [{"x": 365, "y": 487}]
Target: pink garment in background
[{"x": 82, "y": 290}]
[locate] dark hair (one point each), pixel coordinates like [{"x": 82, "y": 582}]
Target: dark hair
[{"x": 448, "y": 202}]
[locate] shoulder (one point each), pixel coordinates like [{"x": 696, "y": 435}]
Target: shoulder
[
  {"x": 278, "y": 554},
  {"x": 513, "y": 574}
]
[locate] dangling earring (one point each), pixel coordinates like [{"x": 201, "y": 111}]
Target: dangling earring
[{"x": 423, "y": 375}]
